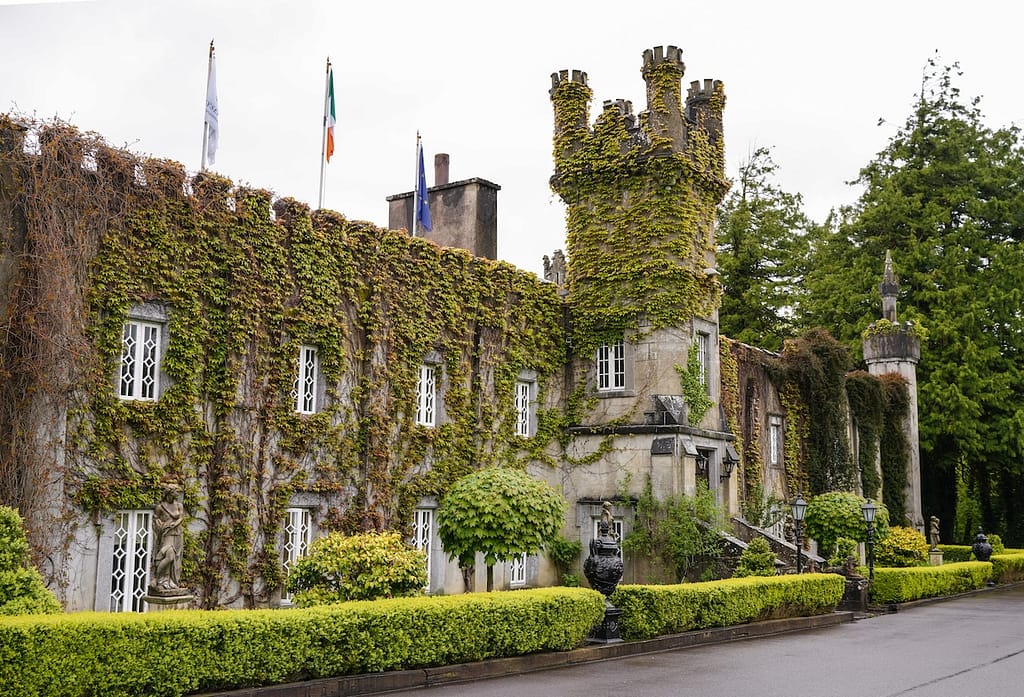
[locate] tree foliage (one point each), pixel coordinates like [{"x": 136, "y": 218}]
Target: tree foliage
[
  {"x": 367, "y": 566},
  {"x": 761, "y": 250},
  {"x": 837, "y": 514},
  {"x": 946, "y": 196},
  {"x": 501, "y": 512}
]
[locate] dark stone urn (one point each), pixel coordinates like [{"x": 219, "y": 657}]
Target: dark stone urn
[
  {"x": 981, "y": 547},
  {"x": 603, "y": 569}
]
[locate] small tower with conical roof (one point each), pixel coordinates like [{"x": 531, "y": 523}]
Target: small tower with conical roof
[{"x": 892, "y": 347}]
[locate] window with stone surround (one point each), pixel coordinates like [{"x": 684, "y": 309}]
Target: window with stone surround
[
  {"x": 426, "y": 396},
  {"x": 611, "y": 366},
  {"x": 307, "y": 381}
]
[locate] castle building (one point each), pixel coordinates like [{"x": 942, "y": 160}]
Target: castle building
[{"x": 292, "y": 372}]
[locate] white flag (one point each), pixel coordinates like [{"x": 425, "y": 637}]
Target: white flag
[{"x": 212, "y": 128}]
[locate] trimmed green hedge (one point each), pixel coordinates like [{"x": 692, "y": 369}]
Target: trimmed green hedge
[
  {"x": 650, "y": 611},
  {"x": 1008, "y": 568},
  {"x": 174, "y": 653},
  {"x": 903, "y": 585},
  {"x": 955, "y": 553}
]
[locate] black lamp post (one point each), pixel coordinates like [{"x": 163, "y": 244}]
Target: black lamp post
[
  {"x": 869, "y": 510},
  {"x": 798, "y": 508}
]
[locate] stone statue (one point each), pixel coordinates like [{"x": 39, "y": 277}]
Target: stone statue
[
  {"x": 933, "y": 532},
  {"x": 168, "y": 523},
  {"x": 607, "y": 517}
]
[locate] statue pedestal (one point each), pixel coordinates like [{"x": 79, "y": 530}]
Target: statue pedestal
[
  {"x": 161, "y": 603},
  {"x": 935, "y": 557},
  {"x": 608, "y": 631}
]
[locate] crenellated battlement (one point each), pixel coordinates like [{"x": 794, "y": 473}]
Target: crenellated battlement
[
  {"x": 661, "y": 56},
  {"x": 567, "y": 76},
  {"x": 699, "y": 91}
]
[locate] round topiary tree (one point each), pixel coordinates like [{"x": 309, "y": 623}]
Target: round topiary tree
[
  {"x": 500, "y": 512},
  {"x": 902, "y": 547},
  {"x": 838, "y": 514},
  {"x": 22, "y": 590},
  {"x": 357, "y": 567}
]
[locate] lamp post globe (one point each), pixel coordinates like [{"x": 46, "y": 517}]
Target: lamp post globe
[{"x": 798, "y": 508}]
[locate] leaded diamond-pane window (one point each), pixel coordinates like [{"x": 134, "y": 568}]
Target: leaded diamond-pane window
[
  {"x": 426, "y": 396},
  {"x": 422, "y": 529},
  {"x": 523, "y": 411},
  {"x": 130, "y": 570},
  {"x": 517, "y": 571},
  {"x": 140, "y": 361},
  {"x": 298, "y": 533},
  {"x": 304, "y": 389}
]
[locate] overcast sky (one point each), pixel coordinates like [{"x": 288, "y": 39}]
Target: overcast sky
[{"x": 809, "y": 79}]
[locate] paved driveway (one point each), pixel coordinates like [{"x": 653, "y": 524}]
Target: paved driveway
[{"x": 969, "y": 647}]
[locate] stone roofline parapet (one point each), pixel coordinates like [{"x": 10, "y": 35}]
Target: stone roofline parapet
[{"x": 449, "y": 185}]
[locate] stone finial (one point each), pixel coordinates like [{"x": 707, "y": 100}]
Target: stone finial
[{"x": 889, "y": 288}]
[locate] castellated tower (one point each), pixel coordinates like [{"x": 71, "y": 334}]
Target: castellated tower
[
  {"x": 641, "y": 191},
  {"x": 891, "y": 347}
]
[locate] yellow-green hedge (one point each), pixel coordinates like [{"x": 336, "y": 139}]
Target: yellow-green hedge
[
  {"x": 175, "y": 653},
  {"x": 1008, "y": 568},
  {"x": 903, "y": 585},
  {"x": 650, "y": 611}
]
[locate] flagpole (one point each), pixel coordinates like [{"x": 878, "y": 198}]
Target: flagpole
[
  {"x": 323, "y": 135},
  {"x": 206, "y": 126},
  {"x": 416, "y": 186}
]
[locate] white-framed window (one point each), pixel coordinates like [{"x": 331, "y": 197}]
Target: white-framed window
[
  {"x": 517, "y": 571},
  {"x": 307, "y": 378},
  {"x": 140, "y": 361},
  {"x": 298, "y": 535},
  {"x": 611, "y": 366},
  {"x": 422, "y": 529},
  {"x": 426, "y": 396},
  {"x": 129, "y": 578},
  {"x": 615, "y": 530},
  {"x": 774, "y": 441},
  {"x": 703, "y": 357},
  {"x": 524, "y": 408}
]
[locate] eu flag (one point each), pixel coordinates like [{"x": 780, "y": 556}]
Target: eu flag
[{"x": 422, "y": 207}]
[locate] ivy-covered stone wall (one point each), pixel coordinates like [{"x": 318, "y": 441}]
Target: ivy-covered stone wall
[{"x": 244, "y": 281}]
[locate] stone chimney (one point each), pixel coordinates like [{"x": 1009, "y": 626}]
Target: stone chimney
[{"x": 463, "y": 214}]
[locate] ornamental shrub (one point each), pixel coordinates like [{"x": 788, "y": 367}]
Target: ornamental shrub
[
  {"x": 902, "y": 547},
  {"x": 757, "y": 559},
  {"x": 838, "y": 514},
  {"x": 501, "y": 512},
  {"x": 22, "y": 589},
  {"x": 357, "y": 567}
]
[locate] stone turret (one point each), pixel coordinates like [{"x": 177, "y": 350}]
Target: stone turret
[
  {"x": 641, "y": 192},
  {"x": 663, "y": 72},
  {"x": 892, "y": 347}
]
